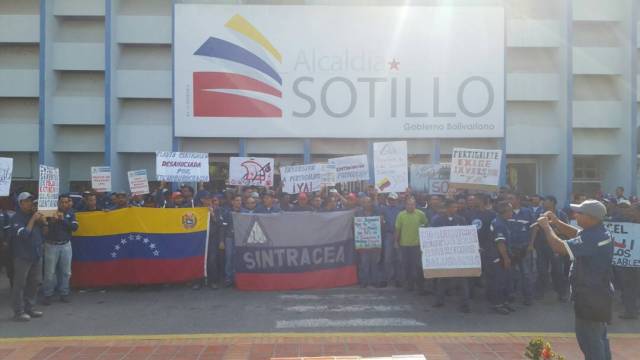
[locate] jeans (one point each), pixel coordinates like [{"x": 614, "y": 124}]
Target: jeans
[
  {"x": 630, "y": 289},
  {"x": 229, "y": 270},
  {"x": 57, "y": 265},
  {"x": 522, "y": 275},
  {"x": 368, "y": 261},
  {"x": 547, "y": 259},
  {"x": 27, "y": 276},
  {"x": 497, "y": 283},
  {"x": 392, "y": 265},
  {"x": 592, "y": 339},
  {"x": 443, "y": 284},
  {"x": 412, "y": 265}
]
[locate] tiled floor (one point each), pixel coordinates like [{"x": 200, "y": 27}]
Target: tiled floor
[{"x": 264, "y": 346}]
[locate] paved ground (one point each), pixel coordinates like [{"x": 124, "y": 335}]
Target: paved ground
[{"x": 229, "y": 324}]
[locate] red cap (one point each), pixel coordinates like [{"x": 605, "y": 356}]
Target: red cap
[
  {"x": 176, "y": 194},
  {"x": 302, "y": 195},
  {"x": 352, "y": 196}
]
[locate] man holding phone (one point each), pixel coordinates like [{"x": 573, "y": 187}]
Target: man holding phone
[{"x": 27, "y": 231}]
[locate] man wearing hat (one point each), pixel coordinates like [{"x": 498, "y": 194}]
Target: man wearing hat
[
  {"x": 591, "y": 253},
  {"x": 27, "y": 232}
]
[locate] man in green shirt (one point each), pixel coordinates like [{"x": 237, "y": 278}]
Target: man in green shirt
[{"x": 407, "y": 237}]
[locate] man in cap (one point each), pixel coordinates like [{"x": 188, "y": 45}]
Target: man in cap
[
  {"x": 27, "y": 229},
  {"x": 57, "y": 251},
  {"x": 591, "y": 252}
]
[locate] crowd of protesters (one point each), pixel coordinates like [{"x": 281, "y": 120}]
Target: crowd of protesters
[{"x": 517, "y": 262}]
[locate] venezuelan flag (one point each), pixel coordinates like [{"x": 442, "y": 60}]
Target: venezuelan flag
[{"x": 140, "y": 246}]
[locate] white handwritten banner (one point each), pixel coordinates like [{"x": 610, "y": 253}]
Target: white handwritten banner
[
  {"x": 182, "y": 166},
  {"x": 430, "y": 178},
  {"x": 307, "y": 178},
  {"x": 251, "y": 171},
  {"x": 450, "y": 251},
  {"x": 367, "y": 230},
  {"x": 6, "y": 170},
  {"x": 101, "y": 178},
  {"x": 138, "y": 182},
  {"x": 48, "y": 189},
  {"x": 475, "y": 168},
  {"x": 351, "y": 168},
  {"x": 626, "y": 253},
  {"x": 390, "y": 166}
]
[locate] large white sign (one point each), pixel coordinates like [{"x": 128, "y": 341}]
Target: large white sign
[
  {"x": 626, "y": 253},
  {"x": 182, "y": 166},
  {"x": 390, "y": 166},
  {"x": 430, "y": 178},
  {"x": 138, "y": 182},
  {"x": 6, "y": 170},
  {"x": 475, "y": 168},
  {"x": 450, "y": 251},
  {"x": 101, "y": 178},
  {"x": 338, "y": 71},
  {"x": 251, "y": 171},
  {"x": 351, "y": 168},
  {"x": 307, "y": 178},
  {"x": 48, "y": 190}
]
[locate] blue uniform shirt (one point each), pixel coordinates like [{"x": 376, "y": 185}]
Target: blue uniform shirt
[
  {"x": 390, "y": 213},
  {"x": 60, "y": 231},
  {"x": 592, "y": 249},
  {"x": 446, "y": 220},
  {"x": 26, "y": 244},
  {"x": 261, "y": 209},
  {"x": 519, "y": 227},
  {"x": 500, "y": 232},
  {"x": 481, "y": 219}
]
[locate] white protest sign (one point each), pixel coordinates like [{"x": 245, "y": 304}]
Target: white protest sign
[
  {"x": 6, "y": 169},
  {"x": 101, "y": 178},
  {"x": 367, "y": 230},
  {"x": 182, "y": 166},
  {"x": 430, "y": 178},
  {"x": 351, "y": 168},
  {"x": 390, "y": 166},
  {"x": 48, "y": 190},
  {"x": 138, "y": 182},
  {"x": 450, "y": 251},
  {"x": 624, "y": 236},
  {"x": 475, "y": 168},
  {"x": 306, "y": 178},
  {"x": 251, "y": 171}
]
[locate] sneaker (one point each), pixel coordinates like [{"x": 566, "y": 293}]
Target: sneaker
[
  {"x": 24, "y": 317},
  {"x": 508, "y": 307},
  {"x": 500, "y": 310},
  {"x": 35, "y": 314},
  {"x": 65, "y": 299},
  {"x": 626, "y": 316},
  {"x": 47, "y": 300}
]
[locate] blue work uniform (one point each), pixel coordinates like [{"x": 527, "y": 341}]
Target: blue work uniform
[
  {"x": 522, "y": 261},
  {"x": 390, "y": 252},
  {"x": 591, "y": 253},
  {"x": 27, "y": 260},
  {"x": 548, "y": 262},
  {"x": 497, "y": 275},
  {"x": 443, "y": 284}
]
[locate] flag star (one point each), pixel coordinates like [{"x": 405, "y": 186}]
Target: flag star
[
  {"x": 123, "y": 241},
  {"x": 138, "y": 237},
  {"x": 156, "y": 253},
  {"x": 113, "y": 254},
  {"x": 117, "y": 247},
  {"x": 152, "y": 246},
  {"x": 146, "y": 240},
  {"x": 131, "y": 237}
]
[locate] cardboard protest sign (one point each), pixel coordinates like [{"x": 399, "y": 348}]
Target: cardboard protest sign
[
  {"x": 368, "y": 233},
  {"x": 138, "y": 182},
  {"x": 6, "y": 170},
  {"x": 101, "y": 178},
  {"x": 450, "y": 251},
  {"x": 624, "y": 236},
  {"x": 475, "y": 168},
  {"x": 48, "y": 190},
  {"x": 182, "y": 166},
  {"x": 307, "y": 178},
  {"x": 351, "y": 168},
  {"x": 390, "y": 166},
  {"x": 251, "y": 171},
  {"x": 430, "y": 178}
]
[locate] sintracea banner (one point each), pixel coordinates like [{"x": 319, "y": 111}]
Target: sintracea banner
[
  {"x": 182, "y": 166},
  {"x": 475, "y": 168},
  {"x": 313, "y": 71},
  {"x": 390, "y": 166},
  {"x": 351, "y": 168}
]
